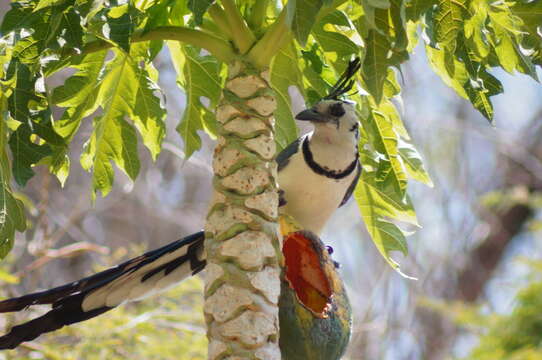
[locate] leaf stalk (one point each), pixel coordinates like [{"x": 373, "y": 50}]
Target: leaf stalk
[
  {"x": 218, "y": 47},
  {"x": 242, "y": 36},
  {"x": 272, "y": 41},
  {"x": 218, "y": 15}
]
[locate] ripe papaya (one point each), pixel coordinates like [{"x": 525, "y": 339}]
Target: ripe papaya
[{"x": 314, "y": 311}]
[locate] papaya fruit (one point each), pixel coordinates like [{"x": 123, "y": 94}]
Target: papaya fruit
[{"x": 314, "y": 311}]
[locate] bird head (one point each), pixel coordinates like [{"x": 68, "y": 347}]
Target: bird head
[{"x": 331, "y": 113}]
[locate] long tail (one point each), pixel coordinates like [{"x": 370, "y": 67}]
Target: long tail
[{"x": 101, "y": 292}]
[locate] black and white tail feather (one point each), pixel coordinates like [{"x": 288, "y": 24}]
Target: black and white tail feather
[{"x": 151, "y": 272}]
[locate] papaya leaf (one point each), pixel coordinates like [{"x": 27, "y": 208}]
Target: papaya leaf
[
  {"x": 123, "y": 86},
  {"x": 148, "y": 113},
  {"x": 314, "y": 73},
  {"x": 505, "y": 29},
  {"x": 46, "y": 3},
  {"x": 72, "y": 30},
  {"x": 530, "y": 13},
  {"x": 413, "y": 162},
  {"x": 480, "y": 86},
  {"x": 24, "y": 96},
  {"x": 416, "y": 8},
  {"x": 437, "y": 62},
  {"x": 26, "y": 153},
  {"x": 475, "y": 29},
  {"x": 373, "y": 207},
  {"x": 375, "y": 64},
  {"x": 12, "y": 217},
  {"x": 389, "y": 172},
  {"x": 78, "y": 95},
  {"x": 448, "y": 21},
  {"x": 114, "y": 24},
  {"x": 301, "y": 16},
  {"x": 120, "y": 26},
  {"x": 198, "y": 8},
  {"x": 113, "y": 139},
  {"x": 193, "y": 70},
  {"x": 336, "y": 17},
  {"x": 337, "y": 47},
  {"x": 285, "y": 73}
]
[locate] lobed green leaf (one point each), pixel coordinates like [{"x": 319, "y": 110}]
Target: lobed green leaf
[
  {"x": 301, "y": 16},
  {"x": 124, "y": 91},
  {"x": 193, "y": 71},
  {"x": 198, "y": 8},
  {"x": 375, "y": 63},
  {"x": 12, "y": 217},
  {"x": 285, "y": 72},
  {"x": 448, "y": 22}
]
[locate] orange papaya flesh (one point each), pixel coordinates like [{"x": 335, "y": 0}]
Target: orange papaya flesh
[
  {"x": 314, "y": 311},
  {"x": 304, "y": 272}
]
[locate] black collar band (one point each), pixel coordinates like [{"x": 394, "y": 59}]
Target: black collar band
[{"x": 332, "y": 174}]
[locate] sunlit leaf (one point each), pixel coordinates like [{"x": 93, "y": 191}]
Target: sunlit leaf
[
  {"x": 12, "y": 216},
  {"x": 285, "y": 73},
  {"x": 387, "y": 236},
  {"x": 448, "y": 21},
  {"x": 198, "y": 8},
  {"x": 122, "y": 89},
  {"x": 26, "y": 153},
  {"x": 194, "y": 70},
  {"x": 375, "y": 64},
  {"x": 119, "y": 25},
  {"x": 385, "y": 141},
  {"x": 46, "y": 3},
  {"x": 301, "y": 17},
  {"x": 413, "y": 163}
]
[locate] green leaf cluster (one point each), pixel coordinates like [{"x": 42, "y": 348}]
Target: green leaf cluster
[
  {"x": 467, "y": 38},
  {"x": 517, "y": 335}
]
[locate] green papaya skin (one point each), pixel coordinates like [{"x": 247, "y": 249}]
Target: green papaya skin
[{"x": 314, "y": 334}]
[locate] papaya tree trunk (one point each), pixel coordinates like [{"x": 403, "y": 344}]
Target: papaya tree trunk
[{"x": 242, "y": 283}]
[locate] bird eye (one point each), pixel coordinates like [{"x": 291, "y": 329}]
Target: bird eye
[{"x": 336, "y": 110}]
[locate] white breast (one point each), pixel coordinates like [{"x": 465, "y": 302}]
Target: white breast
[{"x": 311, "y": 198}]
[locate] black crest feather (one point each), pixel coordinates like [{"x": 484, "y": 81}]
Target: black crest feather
[{"x": 345, "y": 83}]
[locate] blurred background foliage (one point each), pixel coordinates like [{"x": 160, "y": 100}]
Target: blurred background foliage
[
  {"x": 516, "y": 335},
  {"x": 472, "y": 299},
  {"x": 169, "y": 326}
]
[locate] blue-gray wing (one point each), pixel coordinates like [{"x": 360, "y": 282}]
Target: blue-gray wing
[
  {"x": 352, "y": 186},
  {"x": 283, "y": 158}
]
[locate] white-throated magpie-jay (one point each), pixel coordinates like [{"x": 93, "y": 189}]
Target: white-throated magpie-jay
[{"x": 317, "y": 173}]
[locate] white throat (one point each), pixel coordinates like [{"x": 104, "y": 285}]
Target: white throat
[{"x": 331, "y": 147}]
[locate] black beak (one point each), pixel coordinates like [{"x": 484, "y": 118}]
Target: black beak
[{"x": 311, "y": 115}]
